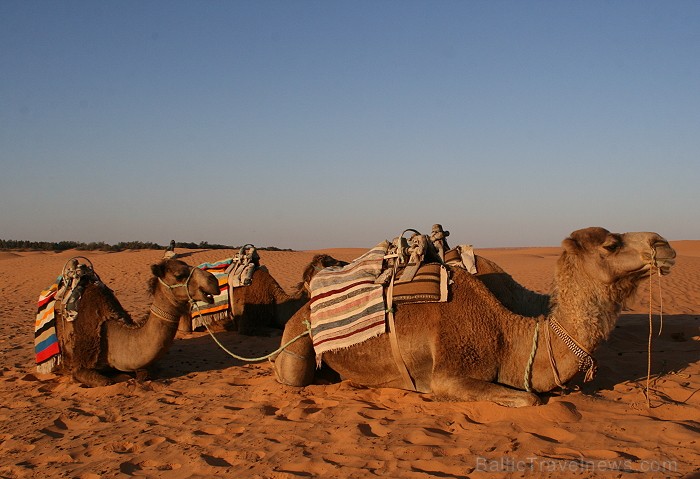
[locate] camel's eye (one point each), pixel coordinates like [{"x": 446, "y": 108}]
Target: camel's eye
[{"x": 612, "y": 246}]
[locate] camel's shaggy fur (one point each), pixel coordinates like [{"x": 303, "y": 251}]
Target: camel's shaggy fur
[
  {"x": 104, "y": 337},
  {"x": 264, "y": 304},
  {"x": 474, "y": 347}
]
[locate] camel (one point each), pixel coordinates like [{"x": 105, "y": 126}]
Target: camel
[
  {"x": 474, "y": 348},
  {"x": 103, "y": 335},
  {"x": 264, "y": 304}
]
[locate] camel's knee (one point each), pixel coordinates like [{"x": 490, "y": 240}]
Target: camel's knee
[
  {"x": 294, "y": 369},
  {"x": 91, "y": 378}
]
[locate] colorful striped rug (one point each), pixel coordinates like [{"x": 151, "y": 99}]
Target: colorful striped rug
[
  {"x": 46, "y": 348},
  {"x": 219, "y": 310},
  {"x": 347, "y": 307}
]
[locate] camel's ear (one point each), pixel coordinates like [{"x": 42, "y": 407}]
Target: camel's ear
[
  {"x": 158, "y": 270},
  {"x": 582, "y": 239}
]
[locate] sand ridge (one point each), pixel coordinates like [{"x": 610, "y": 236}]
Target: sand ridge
[{"x": 207, "y": 415}]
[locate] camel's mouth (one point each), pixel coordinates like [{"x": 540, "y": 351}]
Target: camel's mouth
[
  {"x": 664, "y": 265},
  {"x": 207, "y": 297}
]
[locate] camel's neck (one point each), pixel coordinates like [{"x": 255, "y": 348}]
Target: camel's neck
[
  {"x": 587, "y": 311},
  {"x": 588, "y": 319},
  {"x": 287, "y": 305},
  {"x": 135, "y": 347}
]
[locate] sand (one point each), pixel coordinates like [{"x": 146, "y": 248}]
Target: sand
[{"x": 208, "y": 415}]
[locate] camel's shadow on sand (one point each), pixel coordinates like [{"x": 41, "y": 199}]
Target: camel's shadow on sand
[
  {"x": 623, "y": 358},
  {"x": 200, "y": 353}
]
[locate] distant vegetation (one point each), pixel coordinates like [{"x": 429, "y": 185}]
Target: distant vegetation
[{"x": 102, "y": 246}]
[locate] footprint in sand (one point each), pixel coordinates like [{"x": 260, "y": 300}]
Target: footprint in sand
[
  {"x": 556, "y": 434},
  {"x": 372, "y": 430},
  {"x": 210, "y": 431},
  {"x": 427, "y": 436},
  {"x": 155, "y": 441},
  {"x": 122, "y": 447},
  {"x": 130, "y": 467},
  {"x": 560, "y": 412}
]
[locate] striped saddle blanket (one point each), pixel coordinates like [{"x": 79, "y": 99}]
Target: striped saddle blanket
[
  {"x": 46, "y": 347},
  {"x": 203, "y": 312},
  {"x": 347, "y": 306}
]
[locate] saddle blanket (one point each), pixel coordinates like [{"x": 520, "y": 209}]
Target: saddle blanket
[
  {"x": 347, "y": 306},
  {"x": 217, "y": 311},
  {"x": 46, "y": 347}
]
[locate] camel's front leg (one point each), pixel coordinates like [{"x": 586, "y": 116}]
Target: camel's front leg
[
  {"x": 185, "y": 325},
  {"x": 296, "y": 365},
  {"x": 452, "y": 387}
]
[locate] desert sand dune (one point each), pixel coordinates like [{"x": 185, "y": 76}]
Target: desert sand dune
[{"x": 205, "y": 414}]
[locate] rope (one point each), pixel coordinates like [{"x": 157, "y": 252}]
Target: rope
[
  {"x": 267, "y": 356},
  {"x": 259, "y": 358},
  {"x": 651, "y": 323},
  {"x": 552, "y": 361},
  {"x": 179, "y": 285},
  {"x": 651, "y": 332},
  {"x": 241, "y": 358},
  {"x": 531, "y": 359}
]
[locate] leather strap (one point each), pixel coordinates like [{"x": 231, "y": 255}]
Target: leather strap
[{"x": 393, "y": 338}]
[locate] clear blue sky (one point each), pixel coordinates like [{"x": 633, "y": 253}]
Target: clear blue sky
[{"x": 311, "y": 124}]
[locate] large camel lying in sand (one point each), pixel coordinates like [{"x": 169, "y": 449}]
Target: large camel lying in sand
[
  {"x": 474, "y": 348},
  {"x": 264, "y": 304},
  {"x": 103, "y": 336}
]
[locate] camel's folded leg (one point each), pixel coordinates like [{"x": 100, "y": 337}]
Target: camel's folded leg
[
  {"x": 185, "y": 325},
  {"x": 91, "y": 378},
  {"x": 295, "y": 365},
  {"x": 452, "y": 387}
]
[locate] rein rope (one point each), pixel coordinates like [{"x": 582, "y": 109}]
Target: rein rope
[
  {"x": 651, "y": 323},
  {"x": 259, "y": 358},
  {"x": 170, "y": 318},
  {"x": 193, "y": 302}
]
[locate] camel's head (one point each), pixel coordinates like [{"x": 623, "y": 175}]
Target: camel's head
[
  {"x": 319, "y": 262},
  {"x": 610, "y": 257},
  {"x": 184, "y": 281}
]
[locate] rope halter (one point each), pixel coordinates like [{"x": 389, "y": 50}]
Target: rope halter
[
  {"x": 164, "y": 315},
  {"x": 180, "y": 285}
]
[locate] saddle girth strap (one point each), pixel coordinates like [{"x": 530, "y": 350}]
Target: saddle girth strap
[{"x": 393, "y": 338}]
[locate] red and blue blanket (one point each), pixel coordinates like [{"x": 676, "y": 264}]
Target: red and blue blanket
[{"x": 46, "y": 347}]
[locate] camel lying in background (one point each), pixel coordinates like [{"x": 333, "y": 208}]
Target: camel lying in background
[
  {"x": 103, "y": 335},
  {"x": 474, "y": 348},
  {"x": 264, "y": 304}
]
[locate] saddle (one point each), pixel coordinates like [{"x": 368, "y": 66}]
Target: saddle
[
  {"x": 420, "y": 266},
  {"x": 76, "y": 275},
  {"x": 244, "y": 264}
]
